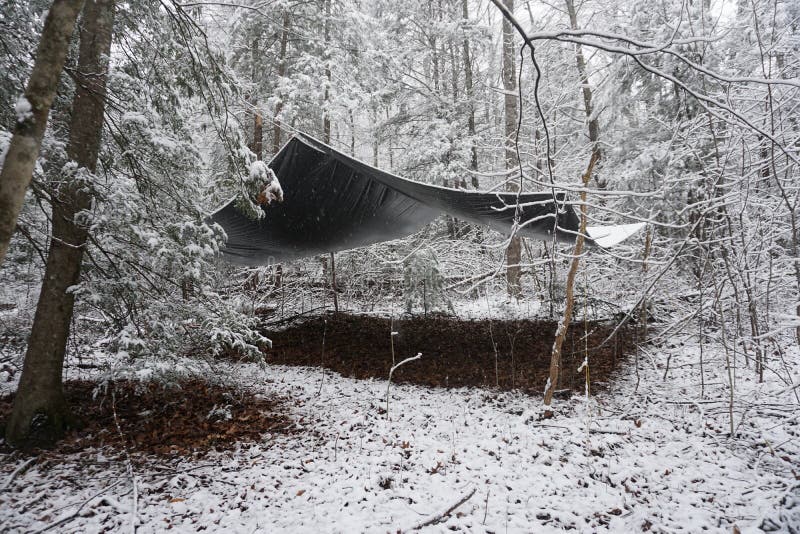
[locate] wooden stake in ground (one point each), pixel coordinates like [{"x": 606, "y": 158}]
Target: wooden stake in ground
[
  {"x": 563, "y": 325},
  {"x": 32, "y": 111}
]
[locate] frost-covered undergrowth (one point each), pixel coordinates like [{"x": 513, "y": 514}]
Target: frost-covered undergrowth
[{"x": 655, "y": 459}]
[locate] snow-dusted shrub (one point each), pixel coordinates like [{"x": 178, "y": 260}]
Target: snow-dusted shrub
[{"x": 423, "y": 282}]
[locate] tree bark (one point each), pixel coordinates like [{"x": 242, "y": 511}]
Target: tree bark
[
  {"x": 326, "y": 131},
  {"x": 258, "y": 134},
  {"x": 514, "y": 250},
  {"x": 594, "y": 125},
  {"x": 468, "y": 87},
  {"x": 326, "y": 115},
  {"x": 258, "y": 118},
  {"x": 29, "y": 131},
  {"x": 40, "y": 414},
  {"x": 276, "y": 129}
]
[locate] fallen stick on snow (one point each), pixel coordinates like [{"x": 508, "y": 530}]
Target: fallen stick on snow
[
  {"x": 65, "y": 518},
  {"x": 18, "y": 471},
  {"x": 438, "y": 517}
]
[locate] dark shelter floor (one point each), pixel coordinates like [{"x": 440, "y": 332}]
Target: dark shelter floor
[{"x": 485, "y": 353}]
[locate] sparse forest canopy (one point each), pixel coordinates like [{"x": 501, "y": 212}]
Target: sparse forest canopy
[{"x": 124, "y": 125}]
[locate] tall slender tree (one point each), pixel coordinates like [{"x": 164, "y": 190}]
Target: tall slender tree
[
  {"x": 468, "y": 87},
  {"x": 583, "y": 72},
  {"x": 514, "y": 249},
  {"x": 276, "y": 128}
]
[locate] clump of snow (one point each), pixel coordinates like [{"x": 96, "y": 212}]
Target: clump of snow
[
  {"x": 5, "y": 142},
  {"x": 23, "y": 109},
  {"x": 134, "y": 117},
  {"x": 220, "y": 413},
  {"x": 608, "y": 236},
  {"x": 274, "y": 191},
  {"x": 259, "y": 171},
  {"x": 268, "y": 183}
]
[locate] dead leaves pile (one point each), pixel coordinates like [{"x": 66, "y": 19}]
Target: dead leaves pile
[
  {"x": 189, "y": 418},
  {"x": 506, "y": 354}
]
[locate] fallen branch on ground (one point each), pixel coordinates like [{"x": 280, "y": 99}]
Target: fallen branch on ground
[
  {"x": 17, "y": 472},
  {"x": 438, "y": 517}
]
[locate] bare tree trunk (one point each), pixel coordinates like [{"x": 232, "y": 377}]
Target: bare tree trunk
[
  {"x": 453, "y": 51},
  {"x": 40, "y": 412},
  {"x": 333, "y": 284},
  {"x": 276, "y": 129},
  {"x": 326, "y": 132},
  {"x": 258, "y": 134},
  {"x": 514, "y": 250},
  {"x": 594, "y": 125},
  {"x": 352, "y": 134},
  {"x": 470, "y": 92},
  {"x": 326, "y": 115},
  {"x": 434, "y": 48},
  {"x": 563, "y": 325},
  {"x": 29, "y": 129},
  {"x": 470, "y": 97},
  {"x": 258, "y": 118}
]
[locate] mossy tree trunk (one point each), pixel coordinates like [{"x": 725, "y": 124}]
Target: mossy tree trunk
[
  {"x": 29, "y": 129},
  {"x": 40, "y": 413}
]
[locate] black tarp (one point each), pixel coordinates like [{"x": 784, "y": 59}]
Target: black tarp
[{"x": 333, "y": 202}]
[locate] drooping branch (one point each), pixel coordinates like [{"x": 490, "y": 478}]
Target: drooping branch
[{"x": 710, "y": 104}]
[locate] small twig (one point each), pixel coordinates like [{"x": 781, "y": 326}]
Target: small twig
[
  {"x": 391, "y": 372},
  {"x": 75, "y": 514},
  {"x": 438, "y": 517},
  {"x": 485, "y": 508},
  {"x": 17, "y": 472},
  {"x": 601, "y": 431},
  {"x": 293, "y": 317}
]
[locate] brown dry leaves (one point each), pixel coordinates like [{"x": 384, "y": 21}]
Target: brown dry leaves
[{"x": 189, "y": 418}]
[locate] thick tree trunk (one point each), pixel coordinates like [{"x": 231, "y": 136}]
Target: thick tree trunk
[
  {"x": 276, "y": 129},
  {"x": 29, "y": 129},
  {"x": 40, "y": 412},
  {"x": 514, "y": 250}
]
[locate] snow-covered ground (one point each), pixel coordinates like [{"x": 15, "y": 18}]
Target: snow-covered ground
[{"x": 656, "y": 459}]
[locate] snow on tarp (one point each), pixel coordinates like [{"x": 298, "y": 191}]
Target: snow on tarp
[
  {"x": 333, "y": 202},
  {"x": 609, "y": 236}
]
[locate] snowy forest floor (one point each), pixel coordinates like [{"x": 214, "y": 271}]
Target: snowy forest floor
[{"x": 647, "y": 454}]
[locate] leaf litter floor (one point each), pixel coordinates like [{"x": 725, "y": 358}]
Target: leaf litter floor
[
  {"x": 188, "y": 418},
  {"x": 501, "y": 354},
  {"x": 194, "y": 417}
]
